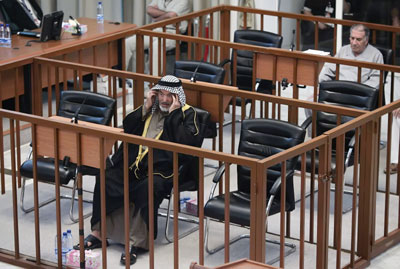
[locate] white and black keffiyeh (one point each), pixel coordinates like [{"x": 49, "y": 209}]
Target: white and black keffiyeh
[{"x": 171, "y": 84}]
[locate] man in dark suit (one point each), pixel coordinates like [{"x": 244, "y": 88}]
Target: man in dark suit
[{"x": 21, "y": 14}]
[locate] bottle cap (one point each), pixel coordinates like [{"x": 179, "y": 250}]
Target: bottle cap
[
  {"x": 64, "y": 233},
  {"x": 68, "y": 231}
]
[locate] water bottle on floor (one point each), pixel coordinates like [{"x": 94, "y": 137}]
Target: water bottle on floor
[
  {"x": 100, "y": 13},
  {"x": 70, "y": 240},
  {"x": 64, "y": 247},
  {"x": 55, "y": 247}
]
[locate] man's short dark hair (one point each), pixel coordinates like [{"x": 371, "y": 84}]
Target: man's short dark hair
[{"x": 361, "y": 28}]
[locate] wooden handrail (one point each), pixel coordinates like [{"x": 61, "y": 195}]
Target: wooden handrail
[{"x": 272, "y": 51}]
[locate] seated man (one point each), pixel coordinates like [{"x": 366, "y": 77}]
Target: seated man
[
  {"x": 158, "y": 10},
  {"x": 359, "y": 49},
  {"x": 164, "y": 116},
  {"x": 10, "y": 14}
]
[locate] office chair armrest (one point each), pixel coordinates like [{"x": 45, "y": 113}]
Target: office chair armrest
[
  {"x": 224, "y": 62},
  {"x": 350, "y": 152},
  {"x": 275, "y": 188},
  {"x": 277, "y": 184},
  {"x": 352, "y": 141},
  {"x": 216, "y": 179},
  {"x": 306, "y": 123},
  {"x": 218, "y": 175}
]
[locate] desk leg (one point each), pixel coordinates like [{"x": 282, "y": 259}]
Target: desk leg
[{"x": 26, "y": 102}]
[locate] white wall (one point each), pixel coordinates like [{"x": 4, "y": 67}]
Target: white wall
[
  {"x": 88, "y": 8},
  {"x": 271, "y": 24}
]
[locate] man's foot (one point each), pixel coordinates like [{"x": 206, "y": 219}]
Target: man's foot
[
  {"x": 392, "y": 169},
  {"x": 91, "y": 242},
  {"x": 132, "y": 255}
]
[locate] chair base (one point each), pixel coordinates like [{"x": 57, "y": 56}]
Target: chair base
[
  {"x": 292, "y": 247},
  {"x": 168, "y": 236},
  {"x": 50, "y": 200}
]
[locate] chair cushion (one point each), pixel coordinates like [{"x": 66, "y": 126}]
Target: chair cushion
[
  {"x": 46, "y": 170},
  {"x": 239, "y": 209}
]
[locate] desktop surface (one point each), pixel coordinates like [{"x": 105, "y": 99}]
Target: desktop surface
[{"x": 21, "y": 52}]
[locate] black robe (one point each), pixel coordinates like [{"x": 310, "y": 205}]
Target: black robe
[{"x": 180, "y": 126}]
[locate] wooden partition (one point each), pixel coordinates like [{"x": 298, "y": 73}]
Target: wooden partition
[
  {"x": 317, "y": 234},
  {"x": 368, "y": 238}
]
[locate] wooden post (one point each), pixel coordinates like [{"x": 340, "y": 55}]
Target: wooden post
[
  {"x": 324, "y": 184},
  {"x": 367, "y": 190},
  {"x": 257, "y": 209},
  {"x": 138, "y": 91}
]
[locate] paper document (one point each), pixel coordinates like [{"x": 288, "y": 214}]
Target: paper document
[{"x": 317, "y": 52}]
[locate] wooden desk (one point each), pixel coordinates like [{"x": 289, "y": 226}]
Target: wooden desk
[
  {"x": 90, "y": 145},
  {"x": 101, "y": 46},
  {"x": 296, "y": 71},
  {"x": 306, "y": 73}
]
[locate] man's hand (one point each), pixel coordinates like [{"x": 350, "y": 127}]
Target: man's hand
[
  {"x": 158, "y": 15},
  {"x": 150, "y": 99},
  {"x": 175, "y": 103}
]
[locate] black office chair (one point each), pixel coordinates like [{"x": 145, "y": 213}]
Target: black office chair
[
  {"x": 342, "y": 93},
  {"x": 199, "y": 70},
  {"x": 244, "y": 66},
  {"x": 92, "y": 107},
  {"x": 188, "y": 180},
  {"x": 259, "y": 138}
]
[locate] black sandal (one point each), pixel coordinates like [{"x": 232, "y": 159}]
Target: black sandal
[
  {"x": 132, "y": 255},
  {"x": 94, "y": 243}
]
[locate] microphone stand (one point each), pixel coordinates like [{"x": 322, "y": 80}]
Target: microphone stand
[
  {"x": 74, "y": 119},
  {"x": 193, "y": 78},
  {"x": 292, "y": 44}
]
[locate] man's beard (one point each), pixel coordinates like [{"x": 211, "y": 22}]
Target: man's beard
[{"x": 164, "y": 109}]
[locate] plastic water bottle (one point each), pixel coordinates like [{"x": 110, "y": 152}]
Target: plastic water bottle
[
  {"x": 64, "y": 247},
  {"x": 56, "y": 247},
  {"x": 7, "y": 36},
  {"x": 100, "y": 13},
  {"x": 70, "y": 240},
  {"x": 1, "y": 30},
  {"x": 182, "y": 203}
]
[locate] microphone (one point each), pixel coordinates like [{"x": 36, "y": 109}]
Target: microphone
[
  {"x": 284, "y": 83},
  {"x": 74, "y": 119},
  {"x": 193, "y": 78},
  {"x": 292, "y": 43}
]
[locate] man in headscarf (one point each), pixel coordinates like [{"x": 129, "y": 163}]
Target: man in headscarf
[{"x": 164, "y": 116}]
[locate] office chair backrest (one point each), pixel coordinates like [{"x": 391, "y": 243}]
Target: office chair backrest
[
  {"x": 261, "y": 138},
  {"x": 93, "y": 107},
  {"x": 244, "y": 73},
  {"x": 344, "y": 93},
  {"x": 387, "y": 56},
  {"x": 206, "y": 72}
]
